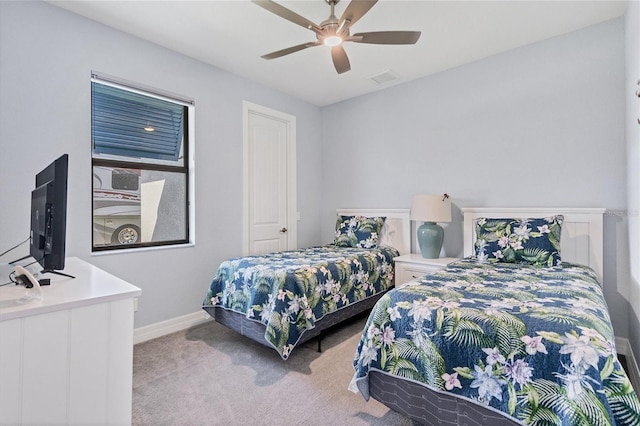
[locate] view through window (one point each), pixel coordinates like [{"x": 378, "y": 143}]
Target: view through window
[{"x": 140, "y": 143}]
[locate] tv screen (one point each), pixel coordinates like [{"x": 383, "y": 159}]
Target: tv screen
[{"x": 49, "y": 216}]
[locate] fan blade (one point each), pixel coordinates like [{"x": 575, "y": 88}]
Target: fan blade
[
  {"x": 287, "y": 14},
  {"x": 288, "y": 50},
  {"x": 354, "y": 11},
  {"x": 387, "y": 37},
  {"x": 340, "y": 59}
]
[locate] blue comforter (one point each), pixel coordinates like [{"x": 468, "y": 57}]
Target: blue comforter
[
  {"x": 289, "y": 291},
  {"x": 533, "y": 343}
]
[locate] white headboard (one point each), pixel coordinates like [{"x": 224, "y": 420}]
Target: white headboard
[
  {"x": 581, "y": 239},
  {"x": 396, "y": 231}
]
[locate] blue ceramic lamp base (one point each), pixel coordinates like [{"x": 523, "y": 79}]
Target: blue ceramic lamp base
[{"x": 430, "y": 238}]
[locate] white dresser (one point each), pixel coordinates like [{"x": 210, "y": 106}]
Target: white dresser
[
  {"x": 411, "y": 266},
  {"x": 68, "y": 358}
]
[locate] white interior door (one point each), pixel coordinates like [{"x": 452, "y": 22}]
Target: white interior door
[{"x": 269, "y": 180}]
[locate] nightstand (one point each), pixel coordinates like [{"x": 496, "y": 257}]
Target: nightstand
[{"x": 411, "y": 266}]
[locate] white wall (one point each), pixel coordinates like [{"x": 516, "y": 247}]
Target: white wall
[
  {"x": 632, "y": 38},
  {"x": 46, "y": 58},
  {"x": 541, "y": 125}
]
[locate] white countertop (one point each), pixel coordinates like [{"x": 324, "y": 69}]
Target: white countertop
[{"x": 91, "y": 285}]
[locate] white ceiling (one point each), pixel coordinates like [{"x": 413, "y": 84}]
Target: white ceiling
[{"x": 232, "y": 35}]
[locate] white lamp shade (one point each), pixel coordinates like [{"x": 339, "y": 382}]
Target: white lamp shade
[{"x": 431, "y": 208}]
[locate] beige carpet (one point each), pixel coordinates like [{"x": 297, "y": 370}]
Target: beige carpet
[{"x": 210, "y": 375}]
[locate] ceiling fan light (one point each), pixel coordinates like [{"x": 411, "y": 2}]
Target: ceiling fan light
[{"x": 333, "y": 40}]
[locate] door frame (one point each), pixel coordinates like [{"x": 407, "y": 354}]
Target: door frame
[{"x": 292, "y": 223}]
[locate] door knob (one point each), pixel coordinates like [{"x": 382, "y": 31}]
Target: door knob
[{"x": 283, "y": 230}]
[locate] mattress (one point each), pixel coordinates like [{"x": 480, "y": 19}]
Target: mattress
[
  {"x": 289, "y": 292},
  {"x": 531, "y": 344}
]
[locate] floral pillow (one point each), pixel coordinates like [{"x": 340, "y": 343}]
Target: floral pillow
[
  {"x": 532, "y": 241},
  {"x": 358, "y": 231}
]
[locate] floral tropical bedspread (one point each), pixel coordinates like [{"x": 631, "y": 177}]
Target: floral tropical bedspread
[
  {"x": 533, "y": 343},
  {"x": 289, "y": 291}
]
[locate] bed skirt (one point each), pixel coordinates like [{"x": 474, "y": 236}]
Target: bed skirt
[
  {"x": 427, "y": 407},
  {"x": 255, "y": 330}
]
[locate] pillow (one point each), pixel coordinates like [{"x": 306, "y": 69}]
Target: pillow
[
  {"x": 358, "y": 231},
  {"x": 532, "y": 241}
]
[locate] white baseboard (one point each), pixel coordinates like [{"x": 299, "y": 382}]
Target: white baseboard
[
  {"x": 162, "y": 328},
  {"x": 624, "y": 348}
]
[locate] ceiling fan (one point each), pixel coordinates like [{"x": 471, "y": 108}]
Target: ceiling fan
[{"x": 333, "y": 31}]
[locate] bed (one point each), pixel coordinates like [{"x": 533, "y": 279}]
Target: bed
[
  {"x": 511, "y": 334},
  {"x": 287, "y": 298}
]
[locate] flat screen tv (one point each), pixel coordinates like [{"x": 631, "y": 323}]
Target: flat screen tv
[{"x": 49, "y": 216}]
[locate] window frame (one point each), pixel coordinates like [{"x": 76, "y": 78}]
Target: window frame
[{"x": 185, "y": 169}]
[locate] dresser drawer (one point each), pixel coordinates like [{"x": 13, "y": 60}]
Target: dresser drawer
[
  {"x": 412, "y": 266},
  {"x": 405, "y": 273}
]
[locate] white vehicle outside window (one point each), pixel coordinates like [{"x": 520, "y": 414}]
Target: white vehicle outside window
[{"x": 116, "y": 206}]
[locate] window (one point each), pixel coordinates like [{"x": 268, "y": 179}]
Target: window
[{"x": 140, "y": 160}]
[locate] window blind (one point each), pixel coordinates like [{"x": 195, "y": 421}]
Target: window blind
[{"x": 134, "y": 125}]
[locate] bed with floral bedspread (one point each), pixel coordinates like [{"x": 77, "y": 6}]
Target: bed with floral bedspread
[
  {"x": 290, "y": 292},
  {"x": 532, "y": 343}
]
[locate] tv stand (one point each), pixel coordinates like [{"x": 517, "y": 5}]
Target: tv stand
[
  {"x": 18, "y": 260},
  {"x": 44, "y": 271},
  {"x": 68, "y": 359}
]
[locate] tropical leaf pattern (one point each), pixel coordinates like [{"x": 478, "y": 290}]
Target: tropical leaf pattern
[
  {"x": 534, "y": 343},
  {"x": 535, "y": 241},
  {"x": 358, "y": 231},
  {"x": 289, "y": 291}
]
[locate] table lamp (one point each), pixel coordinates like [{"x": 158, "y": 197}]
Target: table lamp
[{"x": 431, "y": 209}]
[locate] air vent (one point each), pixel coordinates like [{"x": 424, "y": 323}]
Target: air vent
[{"x": 385, "y": 77}]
